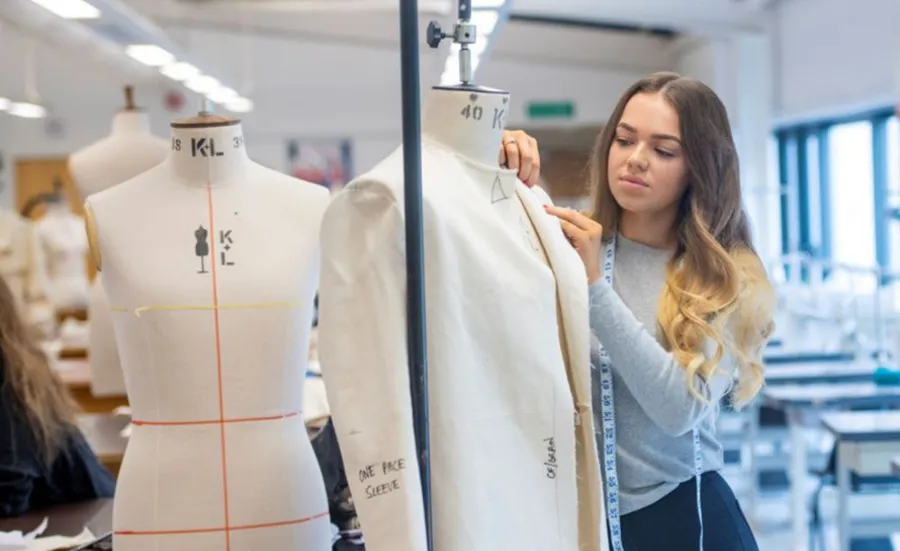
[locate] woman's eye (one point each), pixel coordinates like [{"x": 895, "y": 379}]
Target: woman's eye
[
  {"x": 622, "y": 141},
  {"x": 664, "y": 153}
]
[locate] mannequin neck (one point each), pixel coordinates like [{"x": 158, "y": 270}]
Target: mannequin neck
[
  {"x": 131, "y": 122},
  {"x": 208, "y": 155},
  {"x": 470, "y": 123}
]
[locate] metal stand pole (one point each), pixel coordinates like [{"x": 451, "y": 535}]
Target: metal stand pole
[{"x": 415, "y": 256}]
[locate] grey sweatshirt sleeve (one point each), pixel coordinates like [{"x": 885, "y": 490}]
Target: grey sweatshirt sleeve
[{"x": 651, "y": 373}]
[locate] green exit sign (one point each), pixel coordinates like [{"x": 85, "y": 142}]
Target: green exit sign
[{"x": 551, "y": 110}]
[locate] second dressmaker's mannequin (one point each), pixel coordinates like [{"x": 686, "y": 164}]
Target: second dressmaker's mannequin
[
  {"x": 210, "y": 262},
  {"x": 513, "y": 456},
  {"x": 129, "y": 150},
  {"x": 23, "y": 267},
  {"x": 60, "y": 233}
]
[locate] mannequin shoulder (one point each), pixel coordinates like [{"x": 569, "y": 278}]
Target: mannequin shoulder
[
  {"x": 130, "y": 196},
  {"x": 292, "y": 192}
]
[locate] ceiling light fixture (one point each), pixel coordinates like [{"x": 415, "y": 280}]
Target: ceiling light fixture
[
  {"x": 179, "y": 71},
  {"x": 4, "y": 104},
  {"x": 223, "y": 95},
  {"x": 149, "y": 54},
  {"x": 70, "y": 9},
  {"x": 202, "y": 84},
  {"x": 485, "y": 21},
  {"x": 239, "y": 105},
  {"x": 27, "y": 110}
]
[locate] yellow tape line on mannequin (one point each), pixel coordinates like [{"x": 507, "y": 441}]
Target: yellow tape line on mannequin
[{"x": 248, "y": 306}]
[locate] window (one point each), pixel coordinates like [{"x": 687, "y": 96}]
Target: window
[
  {"x": 816, "y": 238},
  {"x": 839, "y": 177},
  {"x": 852, "y": 194},
  {"x": 893, "y": 191}
]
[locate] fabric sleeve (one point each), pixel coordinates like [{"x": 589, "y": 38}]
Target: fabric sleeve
[
  {"x": 651, "y": 373},
  {"x": 363, "y": 356}
]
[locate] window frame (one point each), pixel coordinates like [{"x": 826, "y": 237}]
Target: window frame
[{"x": 797, "y": 186}]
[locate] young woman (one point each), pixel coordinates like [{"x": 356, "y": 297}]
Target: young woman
[
  {"x": 681, "y": 308},
  {"x": 44, "y": 459}
]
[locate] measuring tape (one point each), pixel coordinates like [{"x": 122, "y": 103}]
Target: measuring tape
[{"x": 608, "y": 424}]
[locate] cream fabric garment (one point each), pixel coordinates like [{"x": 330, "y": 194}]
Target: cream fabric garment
[
  {"x": 23, "y": 267},
  {"x": 503, "y": 420},
  {"x": 61, "y": 235}
]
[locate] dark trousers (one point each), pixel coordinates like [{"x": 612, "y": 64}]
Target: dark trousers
[{"x": 671, "y": 524}]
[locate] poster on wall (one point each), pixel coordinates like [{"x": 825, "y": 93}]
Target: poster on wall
[{"x": 319, "y": 161}]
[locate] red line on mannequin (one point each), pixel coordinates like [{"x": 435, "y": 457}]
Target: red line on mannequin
[
  {"x": 215, "y": 421},
  {"x": 215, "y": 296},
  {"x": 225, "y": 529}
]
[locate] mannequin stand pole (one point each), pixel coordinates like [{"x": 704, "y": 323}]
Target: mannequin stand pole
[{"x": 415, "y": 255}]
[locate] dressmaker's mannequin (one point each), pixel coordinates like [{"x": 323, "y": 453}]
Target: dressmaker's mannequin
[
  {"x": 210, "y": 262},
  {"x": 129, "y": 150},
  {"x": 22, "y": 266},
  {"x": 512, "y": 466},
  {"x": 60, "y": 233}
]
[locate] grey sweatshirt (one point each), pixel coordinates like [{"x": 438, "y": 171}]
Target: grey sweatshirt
[{"x": 654, "y": 409}]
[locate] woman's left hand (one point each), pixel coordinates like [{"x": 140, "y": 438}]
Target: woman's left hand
[{"x": 585, "y": 234}]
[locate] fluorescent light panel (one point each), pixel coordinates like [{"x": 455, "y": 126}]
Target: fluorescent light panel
[
  {"x": 180, "y": 71},
  {"x": 493, "y": 4},
  {"x": 27, "y": 110},
  {"x": 239, "y": 105},
  {"x": 4, "y": 104},
  {"x": 150, "y": 54},
  {"x": 190, "y": 76},
  {"x": 70, "y": 9},
  {"x": 222, "y": 94},
  {"x": 202, "y": 84},
  {"x": 485, "y": 21}
]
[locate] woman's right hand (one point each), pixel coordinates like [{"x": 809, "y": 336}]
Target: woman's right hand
[{"x": 519, "y": 151}]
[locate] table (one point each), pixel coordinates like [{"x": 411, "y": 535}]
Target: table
[
  {"x": 66, "y": 520},
  {"x": 794, "y": 374},
  {"x": 797, "y": 399},
  {"x": 820, "y": 372},
  {"x": 781, "y": 356},
  {"x": 76, "y": 375},
  {"x": 866, "y": 441},
  {"x": 103, "y": 433}
]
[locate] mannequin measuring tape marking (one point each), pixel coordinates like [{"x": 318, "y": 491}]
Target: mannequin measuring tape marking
[{"x": 608, "y": 428}]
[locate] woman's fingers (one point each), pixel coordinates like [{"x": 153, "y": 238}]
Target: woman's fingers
[
  {"x": 534, "y": 176},
  {"x": 575, "y": 234},
  {"x": 571, "y": 216},
  {"x": 519, "y": 152}
]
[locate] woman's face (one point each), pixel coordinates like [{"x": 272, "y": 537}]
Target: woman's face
[{"x": 647, "y": 169}]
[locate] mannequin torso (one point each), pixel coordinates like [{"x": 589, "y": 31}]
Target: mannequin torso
[
  {"x": 504, "y": 455},
  {"x": 23, "y": 267},
  {"x": 129, "y": 150},
  {"x": 210, "y": 263},
  {"x": 60, "y": 233}
]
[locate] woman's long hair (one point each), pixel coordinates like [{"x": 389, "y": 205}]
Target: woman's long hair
[
  {"x": 31, "y": 385},
  {"x": 716, "y": 289}
]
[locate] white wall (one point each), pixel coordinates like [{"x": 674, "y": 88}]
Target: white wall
[
  {"x": 835, "y": 56},
  {"x": 303, "y": 90},
  {"x": 739, "y": 69}
]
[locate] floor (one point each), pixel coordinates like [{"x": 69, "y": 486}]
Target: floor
[{"x": 771, "y": 521}]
